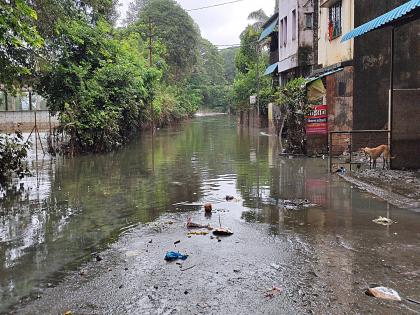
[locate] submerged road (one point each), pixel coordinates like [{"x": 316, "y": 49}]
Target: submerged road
[{"x": 89, "y": 234}]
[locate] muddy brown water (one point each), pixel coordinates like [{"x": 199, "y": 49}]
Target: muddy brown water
[{"x": 325, "y": 256}]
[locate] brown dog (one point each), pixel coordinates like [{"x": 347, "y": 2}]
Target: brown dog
[{"x": 374, "y": 153}]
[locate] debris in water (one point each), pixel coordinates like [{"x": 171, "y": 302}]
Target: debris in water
[
  {"x": 192, "y": 225},
  {"x": 171, "y": 256},
  {"x": 383, "y": 293},
  {"x": 297, "y": 204},
  {"x": 177, "y": 242},
  {"x": 98, "y": 258},
  {"x": 208, "y": 207},
  {"x": 222, "y": 231},
  {"x": 151, "y": 241},
  {"x": 273, "y": 292},
  {"x": 229, "y": 198},
  {"x": 82, "y": 272},
  {"x": 197, "y": 233},
  {"x": 68, "y": 313},
  {"x": 383, "y": 221},
  {"x": 413, "y": 301}
]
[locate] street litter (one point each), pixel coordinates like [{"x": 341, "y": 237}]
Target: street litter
[
  {"x": 192, "y": 225},
  {"x": 383, "y": 293},
  {"x": 197, "y": 233},
  {"x": 190, "y": 267},
  {"x": 297, "y": 204},
  {"x": 208, "y": 207},
  {"x": 383, "y": 221},
  {"x": 222, "y": 231},
  {"x": 171, "y": 256},
  {"x": 273, "y": 292}
]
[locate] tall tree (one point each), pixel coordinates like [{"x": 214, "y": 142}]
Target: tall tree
[
  {"x": 177, "y": 31},
  {"x": 259, "y": 17},
  {"x": 19, "y": 41},
  {"x": 134, "y": 9},
  {"x": 228, "y": 55}
]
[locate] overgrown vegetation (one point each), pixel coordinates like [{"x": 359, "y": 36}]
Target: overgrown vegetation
[
  {"x": 98, "y": 78},
  {"x": 250, "y": 62},
  {"x": 13, "y": 151},
  {"x": 293, "y": 107}
]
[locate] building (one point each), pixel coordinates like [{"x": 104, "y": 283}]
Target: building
[
  {"x": 335, "y": 61},
  {"x": 297, "y": 53},
  {"x": 356, "y": 76},
  {"x": 372, "y": 68}
]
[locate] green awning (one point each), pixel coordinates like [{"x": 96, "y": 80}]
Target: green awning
[
  {"x": 269, "y": 29},
  {"x": 319, "y": 76},
  {"x": 271, "y": 68}
]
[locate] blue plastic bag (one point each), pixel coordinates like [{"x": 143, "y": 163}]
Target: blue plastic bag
[{"x": 171, "y": 256}]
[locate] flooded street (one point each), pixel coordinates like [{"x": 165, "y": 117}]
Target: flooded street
[{"x": 132, "y": 205}]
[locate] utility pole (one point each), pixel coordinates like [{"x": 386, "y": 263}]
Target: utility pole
[
  {"x": 150, "y": 64},
  {"x": 258, "y": 83}
]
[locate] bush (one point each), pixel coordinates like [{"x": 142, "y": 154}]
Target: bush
[{"x": 13, "y": 153}]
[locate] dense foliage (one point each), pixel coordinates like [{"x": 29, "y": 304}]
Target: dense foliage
[
  {"x": 19, "y": 41},
  {"x": 99, "y": 86},
  {"x": 293, "y": 106},
  {"x": 250, "y": 62},
  {"x": 98, "y": 78},
  {"x": 195, "y": 66},
  {"x": 13, "y": 152}
]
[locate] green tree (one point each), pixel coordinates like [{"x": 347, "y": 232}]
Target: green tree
[
  {"x": 293, "y": 107},
  {"x": 99, "y": 85},
  {"x": 228, "y": 55},
  {"x": 177, "y": 31},
  {"x": 245, "y": 83},
  {"x": 19, "y": 41},
  {"x": 209, "y": 77},
  {"x": 13, "y": 152},
  {"x": 259, "y": 17}
]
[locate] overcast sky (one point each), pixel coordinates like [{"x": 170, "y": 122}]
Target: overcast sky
[{"x": 220, "y": 25}]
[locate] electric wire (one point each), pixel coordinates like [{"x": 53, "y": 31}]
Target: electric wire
[{"x": 214, "y": 5}]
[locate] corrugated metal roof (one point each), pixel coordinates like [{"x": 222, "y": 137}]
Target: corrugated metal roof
[
  {"x": 271, "y": 68},
  {"x": 311, "y": 79},
  {"x": 383, "y": 20},
  {"x": 269, "y": 29}
]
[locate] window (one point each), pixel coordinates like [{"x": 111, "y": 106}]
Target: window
[
  {"x": 308, "y": 21},
  {"x": 281, "y": 32},
  {"x": 334, "y": 24},
  {"x": 285, "y": 31},
  {"x": 293, "y": 24}
]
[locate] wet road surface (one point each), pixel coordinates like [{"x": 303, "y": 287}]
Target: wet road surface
[{"x": 323, "y": 257}]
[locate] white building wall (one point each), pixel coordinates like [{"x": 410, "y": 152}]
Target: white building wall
[
  {"x": 288, "y": 41},
  {"x": 332, "y": 52},
  {"x": 298, "y": 35}
]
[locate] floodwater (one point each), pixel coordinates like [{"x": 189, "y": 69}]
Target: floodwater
[{"x": 323, "y": 257}]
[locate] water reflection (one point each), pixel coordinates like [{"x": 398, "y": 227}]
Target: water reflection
[{"x": 76, "y": 206}]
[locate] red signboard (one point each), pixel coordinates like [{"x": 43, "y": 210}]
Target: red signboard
[{"x": 316, "y": 121}]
